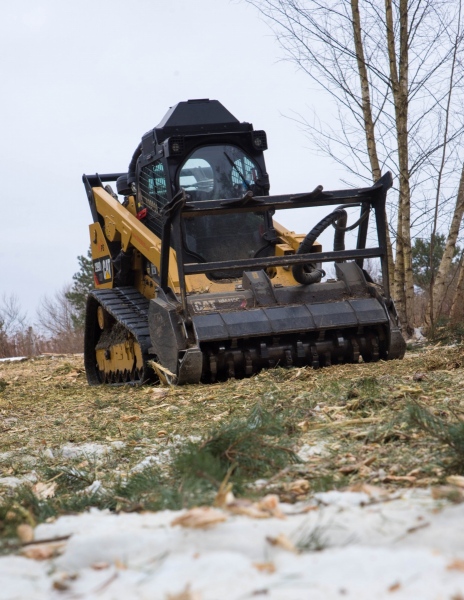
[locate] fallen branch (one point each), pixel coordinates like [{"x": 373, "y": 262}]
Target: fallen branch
[{"x": 347, "y": 423}]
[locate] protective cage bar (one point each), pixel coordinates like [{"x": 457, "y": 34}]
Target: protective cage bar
[
  {"x": 373, "y": 197},
  {"x": 281, "y": 261}
]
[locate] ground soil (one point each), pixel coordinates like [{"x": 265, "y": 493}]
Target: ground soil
[
  {"x": 370, "y": 505},
  {"x": 357, "y": 413}
]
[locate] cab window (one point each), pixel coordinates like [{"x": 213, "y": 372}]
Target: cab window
[
  {"x": 153, "y": 186},
  {"x": 215, "y": 172}
]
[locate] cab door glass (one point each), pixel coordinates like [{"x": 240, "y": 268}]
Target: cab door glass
[
  {"x": 153, "y": 186},
  {"x": 216, "y": 172}
]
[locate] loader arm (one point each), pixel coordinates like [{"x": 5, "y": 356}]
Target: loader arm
[{"x": 119, "y": 225}]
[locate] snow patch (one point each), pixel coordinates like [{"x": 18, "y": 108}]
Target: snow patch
[
  {"x": 89, "y": 449},
  {"x": 94, "y": 488},
  {"x": 13, "y": 482},
  {"x": 418, "y": 335},
  {"x": 163, "y": 458},
  {"x": 403, "y": 546},
  {"x": 307, "y": 450},
  {"x": 342, "y": 499}
]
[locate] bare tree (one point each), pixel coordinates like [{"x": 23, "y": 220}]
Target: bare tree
[
  {"x": 12, "y": 318},
  {"x": 17, "y": 337},
  {"x": 12, "y": 322},
  {"x": 56, "y": 318},
  {"x": 439, "y": 284},
  {"x": 392, "y": 71},
  {"x": 457, "y": 308}
]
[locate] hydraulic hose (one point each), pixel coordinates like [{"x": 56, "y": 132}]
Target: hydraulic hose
[
  {"x": 340, "y": 228},
  {"x": 338, "y": 218}
]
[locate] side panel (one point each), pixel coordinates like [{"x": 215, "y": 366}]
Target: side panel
[{"x": 101, "y": 258}]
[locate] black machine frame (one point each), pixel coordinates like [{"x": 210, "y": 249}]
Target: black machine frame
[
  {"x": 370, "y": 198},
  {"x": 180, "y": 207}
]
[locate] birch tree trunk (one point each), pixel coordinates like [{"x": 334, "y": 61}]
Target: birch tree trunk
[
  {"x": 399, "y": 65},
  {"x": 439, "y": 288},
  {"x": 398, "y": 274},
  {"x": 457, "y": 305},
  {"x": 369, "y": 127},
  {"x": 438, "y": 281}
]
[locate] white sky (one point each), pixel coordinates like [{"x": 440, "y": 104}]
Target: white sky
[{"x": 82, "y": 81}]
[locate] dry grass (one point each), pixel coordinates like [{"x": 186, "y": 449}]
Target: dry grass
[{"x": 352, "y": 419}]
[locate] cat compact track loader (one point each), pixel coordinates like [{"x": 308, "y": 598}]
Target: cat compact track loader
[{"x": 195, "y": 282}]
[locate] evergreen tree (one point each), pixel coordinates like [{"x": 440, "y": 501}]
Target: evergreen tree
[
  {"x": 421, "y": 259},
  {"x": 83, "y": 283}
]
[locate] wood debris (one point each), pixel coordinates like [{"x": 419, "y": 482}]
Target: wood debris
[
  {"x": 200, "y": 518},
  {"x": 297, "y": 487},
  {"x": 456, "y": 565},
  {"x": 130, "y": 418},
  {"x": 44, "y": 490},
  {"x": 25, "y": 533},
  {"x": 185, "y": 594},
  {"x": 263, "y": 509},
  {"x": 43, "y": 551},
  {"x": 457, "y": 480},
  {"x": 265, "y": 567},
  {"x": 282, "y": 541}
]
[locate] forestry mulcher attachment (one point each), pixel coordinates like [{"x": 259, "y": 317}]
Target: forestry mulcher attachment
[{"x": 195, "y": 282}]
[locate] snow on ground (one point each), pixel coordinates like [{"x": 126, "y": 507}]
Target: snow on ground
[
  {"x": 13, "y": 359},
  {"x": 374, "y": 546},
  {"x": 88, "y": 449}
]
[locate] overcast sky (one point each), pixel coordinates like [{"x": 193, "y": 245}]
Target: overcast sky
[{"x": 82, "y": 81}]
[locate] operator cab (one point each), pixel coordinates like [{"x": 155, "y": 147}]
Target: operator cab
[{"x": 201, "y": 148}]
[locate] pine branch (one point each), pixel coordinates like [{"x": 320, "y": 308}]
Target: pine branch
[{"x": 450, "y": 433}]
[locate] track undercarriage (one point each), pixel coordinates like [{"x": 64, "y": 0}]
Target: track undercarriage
[{"x": 117, "y": 337}]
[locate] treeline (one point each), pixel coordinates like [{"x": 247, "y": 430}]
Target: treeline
[
  {"x": 451, "y": 315},
  {"x": 59, "y": 324}
]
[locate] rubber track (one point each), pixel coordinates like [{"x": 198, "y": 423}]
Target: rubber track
[{"x": 128, "y": 307}]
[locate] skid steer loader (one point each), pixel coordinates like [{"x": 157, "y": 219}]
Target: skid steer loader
[{"x": 195, "y": 281}]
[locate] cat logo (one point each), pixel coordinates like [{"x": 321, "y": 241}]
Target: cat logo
[
  {"x": 106, "y": 266},
  {"x": 102, "y": 270}
]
